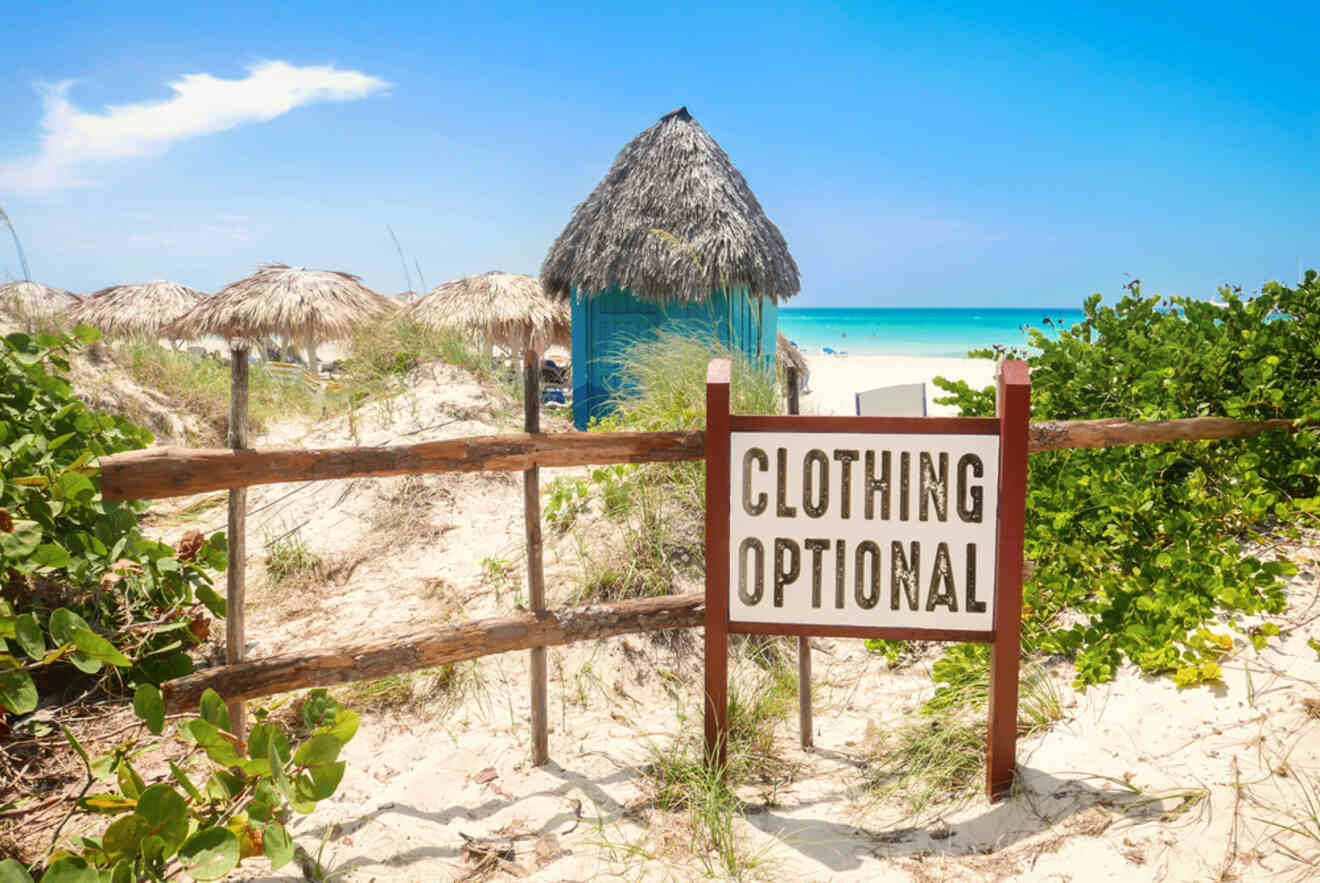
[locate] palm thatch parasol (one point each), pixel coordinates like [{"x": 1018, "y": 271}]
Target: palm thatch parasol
[
  {"x": 35, "y": 299},
  {"x": 510, "y": 309},
  {"x": 136, "y": 310},
  {"x": 309, "y": 306},
  {"x": 673, "y": 219},
  {"x": 306, "y": 305},
  {"x": 790, "y": 356}
]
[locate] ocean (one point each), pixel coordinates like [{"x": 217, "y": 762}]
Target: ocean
[{"x": 913, "y": 331}]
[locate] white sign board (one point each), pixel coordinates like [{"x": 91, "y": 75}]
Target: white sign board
[{"x": 871, "y": 530}]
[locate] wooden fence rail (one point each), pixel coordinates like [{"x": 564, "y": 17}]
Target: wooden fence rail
[
  {"x": 251, "y": 679},
  {"x": 157, "y": 473}
]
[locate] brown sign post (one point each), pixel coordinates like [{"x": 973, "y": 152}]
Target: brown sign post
[{"x": 904, "y": 528}]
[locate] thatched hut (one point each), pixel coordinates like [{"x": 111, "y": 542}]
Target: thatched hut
[
  {"x": 306, "y": 306},
  {"x": 507, "y": 308},
  {"x": 136, "y": 310},
  {"x": 671, "y": 234},
  {"x": 34, "y": 300}
]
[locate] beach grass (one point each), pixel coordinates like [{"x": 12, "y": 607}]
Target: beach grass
[
  {"x": 201, "y": 386},
  {"x": 658, "y": 508}
]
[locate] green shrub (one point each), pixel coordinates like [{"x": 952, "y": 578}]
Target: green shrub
[
  {"x": 83, "y": 592},
  {"x": 203, "y": 830},
  {"x": 1138, "y": 549}
]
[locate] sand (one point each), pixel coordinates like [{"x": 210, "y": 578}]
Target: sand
[
  {"x": 1136, "y": 781},
  {"x": 834, "y": 380}
]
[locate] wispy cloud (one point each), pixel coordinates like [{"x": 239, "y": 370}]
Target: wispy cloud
[{"x": 73, "y": 141}]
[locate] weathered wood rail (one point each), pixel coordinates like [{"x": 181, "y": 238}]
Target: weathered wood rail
[
  {"x": 173, "y": 472},
  {"x": 158, "y": 473},
  {"x": 254, "y": 678}
]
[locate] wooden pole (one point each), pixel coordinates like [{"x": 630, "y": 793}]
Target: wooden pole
[
  {"x": 804, "y": 648},
  {"x": 1014, "y": 410},
  {"x": 717, "y": 562},
  {"x": 794, "y": 383},
  {"x": 235, "y": 585},
  {"x": 535, "y": 573},
  {"x": 328, "y": 666}
]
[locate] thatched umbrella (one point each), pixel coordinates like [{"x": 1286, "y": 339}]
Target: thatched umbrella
[
  {"x": 308, "y": 306},
  {"x": 507, "y": 308},
  {"x": 672, "y": 220},
  {"x": 514, "y": 311},
  {"x": 136, "y": 310},
  {"x": 35, "y": 299},
  {"x": 790, "y": 356}
]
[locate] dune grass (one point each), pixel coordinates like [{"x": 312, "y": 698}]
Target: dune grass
[
  {"x": 681, "y": 779},
  {"x": 936, "y": 755},
  {"x": 658, "y": 507},
  {"x": 201, "y": 386}
]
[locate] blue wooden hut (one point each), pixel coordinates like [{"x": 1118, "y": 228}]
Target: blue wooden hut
[{"x": 671, "y": 236}]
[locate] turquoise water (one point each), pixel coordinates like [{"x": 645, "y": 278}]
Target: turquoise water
[{"x": 911, "y": 331}]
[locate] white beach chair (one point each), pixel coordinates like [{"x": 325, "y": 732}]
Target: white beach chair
[{"x": 904, "y": 400}]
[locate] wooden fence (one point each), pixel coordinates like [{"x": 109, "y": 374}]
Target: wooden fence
[{"x": 172, "y": 472}]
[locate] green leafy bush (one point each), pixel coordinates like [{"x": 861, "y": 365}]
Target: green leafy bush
[
  {"x": 1138, "y": 549},
  {"x": 82, "y": 592},
  {"x": 203, "y": 830}
]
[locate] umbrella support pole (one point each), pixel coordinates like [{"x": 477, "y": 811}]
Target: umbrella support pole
[
  {"x": 235, "y": 633},
  {"x": 535, "y": 573}
]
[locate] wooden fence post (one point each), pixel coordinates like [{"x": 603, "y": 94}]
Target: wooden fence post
[
  {"x": 717, "y": 562},
  {"x": 535, "y": 573},
  {"x": 1014, "y": 411},
  {"x": 794, "y": 383},
  {"x": 235, "y": 585},
  {"x": 804, "y": 647}
]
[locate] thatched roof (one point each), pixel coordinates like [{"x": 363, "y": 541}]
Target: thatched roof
[
  {"x": 278, "y": 299},
  {"x": 788, "y": 355},
  {"x": 672, "y": 178},
  {"x": 35, "y": 299},
  {"x": 512, "y": 309},
  {"x": 136, "y": 310}
]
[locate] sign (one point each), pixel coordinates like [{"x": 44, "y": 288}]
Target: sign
[
  {"x": 907, "y": 528},
  {"x": 856, "y": 529}
]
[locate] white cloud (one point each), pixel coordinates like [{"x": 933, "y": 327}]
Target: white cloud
[{"x": 73, "y": 139}]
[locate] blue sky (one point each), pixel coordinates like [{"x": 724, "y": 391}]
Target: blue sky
[{"x": 972, "y": 155}]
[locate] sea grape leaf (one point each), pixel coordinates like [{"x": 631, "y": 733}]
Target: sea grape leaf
[
  {"x": 278, "y": 845},
  {"x": 167, "y": 814},
  {"x": 149, "y": 705},
  {"x": 27, "y": 632},
  {"x": 210, "y": 853}
]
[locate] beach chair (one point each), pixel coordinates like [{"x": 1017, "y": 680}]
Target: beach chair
[
  {"x": 904, "y": 400},
  {"x": 553, "y": 374},
  {"x": 555, "y": 379}
]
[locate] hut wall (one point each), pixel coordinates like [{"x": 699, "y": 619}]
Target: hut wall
[{"x": 606, "y": 323}]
